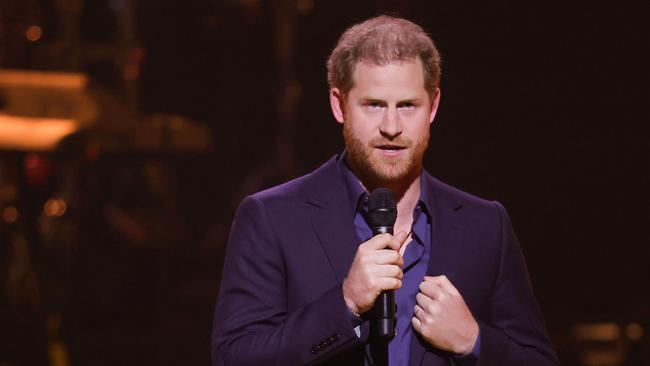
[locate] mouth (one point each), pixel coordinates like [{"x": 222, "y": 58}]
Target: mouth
[
  {"x": 390, "y": 147},
  {"x": 390, "y": 150}
]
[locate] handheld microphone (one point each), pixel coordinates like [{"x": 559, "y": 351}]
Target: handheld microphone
[{"x": 382, "y": 213}]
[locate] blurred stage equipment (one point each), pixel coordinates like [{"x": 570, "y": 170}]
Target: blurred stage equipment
[
  {"x": 39, "y": 109},
  {"x": 53, "y": 125},
  {"x": 610, "y": 344}
]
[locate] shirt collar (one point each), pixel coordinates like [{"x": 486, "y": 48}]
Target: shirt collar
[
  {"x": 356, "y": 192},
  {"x": 424, "y": 195}
]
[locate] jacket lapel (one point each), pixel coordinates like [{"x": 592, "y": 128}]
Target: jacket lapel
[
  {"x": 446, "y": 234},
  {"x": 334, "y": 221},
  {"x": 446, "y": 241}
]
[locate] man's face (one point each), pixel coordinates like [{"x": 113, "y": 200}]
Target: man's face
[{"x": 386, "y": 118}]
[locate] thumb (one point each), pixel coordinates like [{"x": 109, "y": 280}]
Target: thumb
[{"x": 401, "y": 237}]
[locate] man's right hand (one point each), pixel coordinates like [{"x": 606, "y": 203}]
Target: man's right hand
[{"x": 377, "y": 267}]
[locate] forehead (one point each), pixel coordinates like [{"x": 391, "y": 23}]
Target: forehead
[{"x": 397, "y": 78}]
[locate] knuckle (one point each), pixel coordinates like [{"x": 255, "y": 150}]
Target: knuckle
[
  {"x": 416, "y": 324},
  {"x": 363, "y": 260},
  {"x": 423, "y": 286},
  {"x": 394, "y": 256}
]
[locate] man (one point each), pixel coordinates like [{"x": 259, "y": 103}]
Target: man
[{"x": 303, "y": 270}]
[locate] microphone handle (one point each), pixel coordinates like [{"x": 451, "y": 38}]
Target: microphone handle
[{"x": 382, "y": 327}]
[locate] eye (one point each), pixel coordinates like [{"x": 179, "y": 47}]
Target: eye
[
  {"x": 374, "y": 104},
  {"x": 407, "y": 105}
]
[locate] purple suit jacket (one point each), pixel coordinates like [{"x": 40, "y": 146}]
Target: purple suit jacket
[{"x": 290, "y": 247}]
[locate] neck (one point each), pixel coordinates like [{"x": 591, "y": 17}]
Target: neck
[{"x": 406, "y": 204}]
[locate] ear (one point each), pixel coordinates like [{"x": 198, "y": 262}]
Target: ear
[
  {"x": 336, "y": 103},
  {"x": 435, "y": 101}
]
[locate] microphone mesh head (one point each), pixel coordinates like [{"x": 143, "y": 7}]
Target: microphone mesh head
[{"x": 382, "y": 210}]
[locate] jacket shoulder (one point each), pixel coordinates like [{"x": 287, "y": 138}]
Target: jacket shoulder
[
  {"x": 308, "y": 187},
  {"x": 456, "y": 196}
]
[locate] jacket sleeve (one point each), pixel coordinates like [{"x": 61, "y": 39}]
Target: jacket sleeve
[
  {"x": 252, "y": 322},
  {"x": 515, "y": 334}
]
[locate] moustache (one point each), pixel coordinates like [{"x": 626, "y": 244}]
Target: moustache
[{"x": 398, "y": 142}]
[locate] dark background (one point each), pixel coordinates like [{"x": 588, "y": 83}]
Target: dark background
[{"x": 544, "y": 107}]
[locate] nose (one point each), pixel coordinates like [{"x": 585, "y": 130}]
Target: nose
[{"x": 391, "y": 125}]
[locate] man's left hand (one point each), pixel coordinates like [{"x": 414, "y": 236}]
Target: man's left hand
[{"x": 442, "y": 317}]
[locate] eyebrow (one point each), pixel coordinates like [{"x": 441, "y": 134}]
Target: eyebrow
[
  {"x": 378, "y": 100},
  {"x": 371, "y": 100}
]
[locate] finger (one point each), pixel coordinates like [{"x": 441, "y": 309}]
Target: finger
[
  {"x": 380, "y": 241},
  {"x": 385, "y": 242},
  {"x": 417, "y": 324},
  {"x": 400, "y": 261},
  {"x": 444, "y": 283},
  {"x": 425, "y": 302},
  {"x": 432, "y": 289},
  {"x": 391, "y": 271},
  {"x": 388, "y": 283},
  {"x": 418, "y": 312},
  {"x": 395, "y": 241},
  {"x": 386, "y": 256},
  {"x": 400, "y": 238}
]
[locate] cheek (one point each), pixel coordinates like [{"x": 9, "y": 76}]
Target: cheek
[
  {"x": 420, "y": 128},
  {"x": 362, "y": 129},
  {"x": 357, "y": 133}
]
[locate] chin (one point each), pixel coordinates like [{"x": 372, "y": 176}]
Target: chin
[{"x": 387, "y": 174}]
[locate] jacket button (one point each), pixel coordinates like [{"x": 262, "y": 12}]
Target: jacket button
[{"x": 315, "y": 350}]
